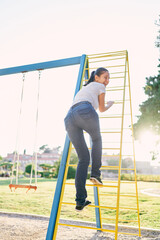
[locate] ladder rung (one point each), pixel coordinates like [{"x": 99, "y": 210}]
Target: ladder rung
[
  {"x": 104, "y": 155},
  {"x": 128, "y": 155},
  {"x": 115, "y": 116},
  {"x": 127, "y": 220},
  {"x": 110, "y": 167},
  {"x": 106, "y": 129},
  {"x": 134, "y": 234},
  {"x": 109, "y": 54},
  {"x": 117, "y": 89},
  {"x": 125, "y": 195},
  {"x": 115, "y": 195},
  {"x": 111, "y": 116},
  {"x": 116, "y": 142},
  {"x": 128, "y": 182},
  {"x": 94, "y": 185},
  {"x": 104, "y": 207},
  {"x": 95, "y": 206},
  {"x": 111, "y": 148},
  {"x": 100, "y": 229},
  {"x": 112, "y": 132},
  {"x": 126, "y": 208},
  {"x": 119, "y": 220},
  {"x": 105, "y": 67},
  {"x": 117, "y": 77},
  {"x": 117, "y": 73},
  {"x": 130, "y": 169},
  {"x": 104, "y": 148},
  {"x": 104, "y": 60}
]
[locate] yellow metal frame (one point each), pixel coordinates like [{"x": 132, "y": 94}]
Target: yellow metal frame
[{"x": 100, "y": 59}]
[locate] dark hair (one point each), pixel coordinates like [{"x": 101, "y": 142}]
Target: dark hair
[{"x": 98, "y": 72}]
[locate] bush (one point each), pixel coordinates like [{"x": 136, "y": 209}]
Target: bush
[
  {"x": 28, "y": 169},
  {"x": 71, "y": 173},
  {"x": 141, "y": 177}
]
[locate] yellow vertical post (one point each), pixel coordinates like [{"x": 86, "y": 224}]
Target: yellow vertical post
[
  {"x": 133, "y": 148},
  {"x": 120, "y": 156}
]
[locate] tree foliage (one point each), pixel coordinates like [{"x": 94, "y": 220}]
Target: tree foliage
[
  {"x": 28, "y": 169},
  {"x": 71, "y": 170},
  {"x": 150, "y": 109}
]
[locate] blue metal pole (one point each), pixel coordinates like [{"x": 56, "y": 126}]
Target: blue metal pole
[
  {"x": 97, "y": 210},
  {"x": 41, "y": 66},
  {"x": 57, "y": 195}
]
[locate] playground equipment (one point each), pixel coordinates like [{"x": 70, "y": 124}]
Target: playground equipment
[
  {"x": 117, "y": 138},
  {"x": 15, "y": 167}
]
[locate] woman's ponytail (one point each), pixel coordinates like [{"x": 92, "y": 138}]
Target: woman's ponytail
[{"x": 91, "y": 79}]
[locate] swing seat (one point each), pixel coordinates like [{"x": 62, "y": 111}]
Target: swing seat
[{"x": 15, "y": 186}]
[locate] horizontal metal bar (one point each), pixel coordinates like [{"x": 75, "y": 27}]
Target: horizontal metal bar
[
  {"x": 115, "y": 116},
  {"x": 105, "y": 67},
  {"x": 111, "y": 167},
  {"x": 104, "y": 148},
  {"x": 41, "y": 66},
  {"x": 106, "y": 167},
  {"x": 127, "y": 220},
  {"x": 119, "y": 220},
  {"x": 100, "y": 229},
  {"x": 127, "y": 208},
  {"x": 111, "y": 148},
  {"x": 117, "y": 53},
  {"x": 116, "y": 77},
  {"x": 116, "y": 89},
  {"x": 125, "y": 195},
  {"x": 115, "y": 195},
  {"x": 110, "y": 219},
  {"x": 110, "y": 132},
  {"x": 93, "y": 185},
  {"x": 111, "y": 116},
  {"x": 130, "y": 169},
  {"x": 116, "y": 73},
  {"x": 120, "y": 101},
  {"x": 95, "y": 206},
  {"x": 118, "y": 129},
  {"x": 134, "y": 234},
  {"x": 104, "y": 60}
]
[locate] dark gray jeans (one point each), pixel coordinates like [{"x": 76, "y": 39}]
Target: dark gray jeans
[{"x": 82, "y": 116}]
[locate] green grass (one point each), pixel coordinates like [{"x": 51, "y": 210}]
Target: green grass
[{"x": 40, "y": 202}]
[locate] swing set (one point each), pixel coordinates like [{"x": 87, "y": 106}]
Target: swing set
[
  {"x": 15, "y": 167},
  {"x": 118, "y": 65}
]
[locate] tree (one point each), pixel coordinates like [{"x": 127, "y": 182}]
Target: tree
[
  {"x": 28, "y": 169},
  {"x": 48, "y": 170},
  {"x": 43, "y": 147},
  {"x": 150, "y": 109},
  {"x": 71, "y": 170}
]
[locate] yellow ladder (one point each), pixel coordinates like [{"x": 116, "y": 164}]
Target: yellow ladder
[{"x": 116, "y": 202}]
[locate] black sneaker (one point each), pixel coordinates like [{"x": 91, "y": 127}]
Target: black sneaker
[
  {"x": 96, "y": 180},
  {"x": 80, "y": 207}
]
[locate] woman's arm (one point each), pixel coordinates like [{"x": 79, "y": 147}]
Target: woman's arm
[{"x": 101, "y": 100}]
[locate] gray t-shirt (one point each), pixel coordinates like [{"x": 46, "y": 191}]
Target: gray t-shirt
[{"x": 90, "y": 93}]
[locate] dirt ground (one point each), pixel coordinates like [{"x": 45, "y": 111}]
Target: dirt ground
[{"x": 30, "y": 227}]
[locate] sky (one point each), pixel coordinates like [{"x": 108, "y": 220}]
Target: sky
[{"x": 45, "y": 30}]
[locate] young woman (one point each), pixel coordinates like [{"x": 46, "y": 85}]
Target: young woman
[{"x": 82, "y": 116}]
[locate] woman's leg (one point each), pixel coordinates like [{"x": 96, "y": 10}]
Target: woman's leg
[
  {"x": 77, "y": 138},
  {"x": 91, "y": 125}
]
